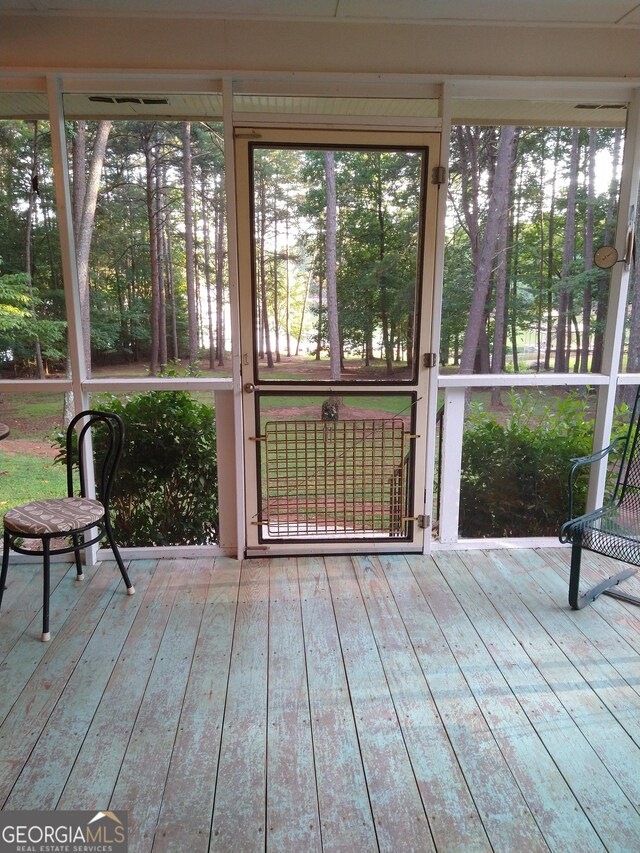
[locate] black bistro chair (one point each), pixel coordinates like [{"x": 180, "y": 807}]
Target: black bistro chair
[{"x": 70, "y": 517}]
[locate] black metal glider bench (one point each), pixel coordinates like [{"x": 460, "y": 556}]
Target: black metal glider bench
[{"x": 612, "y": 530}]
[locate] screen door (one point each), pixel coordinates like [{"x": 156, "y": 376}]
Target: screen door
[{"x": 336, "y": 237}]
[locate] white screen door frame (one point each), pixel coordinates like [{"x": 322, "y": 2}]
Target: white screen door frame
[{"x": 277, "y": 521}]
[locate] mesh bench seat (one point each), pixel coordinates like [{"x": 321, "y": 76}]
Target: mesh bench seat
[{"x": 612, "y": 530}]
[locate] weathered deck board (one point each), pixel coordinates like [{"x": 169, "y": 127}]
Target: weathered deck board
[
  {"x": 24, "y": 622},
  {"x": 196, "y": 750},
  {"x": 450, "y": 809},
  {"x": 609, "y": 810},
  {"x": 555, "y": 807},
  {"x": 343, "y": 799},
  {"x": 396, "y": 804},
  {"x": 144, "y": 768},
  {"x": 505, "y": 815},
  {"x": 452, "y": 703},
  {"x": 570, "y": 661},
  {"x": 95, "y": 771},
  {"x": 293, "y": 822},
  {"x": 48, "y": 767},
  {"x": 239, "y": 814},
  {"x": 590, "y": 622},
  {"x": 620, "y": 615},
  {"x": 20, "y": 601},
  {"x": 28, "y": 716}
]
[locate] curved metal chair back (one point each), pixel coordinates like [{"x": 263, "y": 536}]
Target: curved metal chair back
[
  {"x": 82, "y": 519},
  {"x": 77, "y": 452}
]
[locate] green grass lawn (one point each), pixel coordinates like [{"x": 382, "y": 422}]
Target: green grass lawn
[
  {"x": 25, "y": 478},
  {"x": 392, "y": 404},
  {"x": 32, "y": 415}
]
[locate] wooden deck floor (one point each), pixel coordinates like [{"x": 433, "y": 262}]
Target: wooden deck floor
[{"x": 451, "y": 703}]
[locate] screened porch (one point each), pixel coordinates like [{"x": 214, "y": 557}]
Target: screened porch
[{"x": 443, "y": 703}]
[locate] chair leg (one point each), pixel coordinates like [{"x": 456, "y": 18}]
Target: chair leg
[
  {"x": 577, "y": 601},
  {"x": 5, "y": 565},
  {"x": 46, "y": 567},
  {"x": 574, "y": 577},
  {"x": 79, "y": 566},
  {"x": 116, "y": 553}
]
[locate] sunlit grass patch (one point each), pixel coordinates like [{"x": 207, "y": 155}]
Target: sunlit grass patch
[{"x": 25, "y": 478}]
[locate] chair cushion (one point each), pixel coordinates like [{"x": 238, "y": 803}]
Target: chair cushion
[{"x": 56, "y": 515}]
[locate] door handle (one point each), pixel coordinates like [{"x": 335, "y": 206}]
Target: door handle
[{"x": 249, "y": 387}]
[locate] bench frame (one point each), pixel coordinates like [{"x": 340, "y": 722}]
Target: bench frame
[{"x": 606, "y": 530}]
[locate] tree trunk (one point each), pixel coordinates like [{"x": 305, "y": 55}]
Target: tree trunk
[
  {"x": 541, "y": 271},
  {"x": 319, "y": 343},
  {"x": 287, "y": 316},
  {"x": 154, "y": 367},
  {"x": 550, "y": 248},
  {"x": 563, "y": 329},
  {"x": 332, "y": 287},
  {"x": 171, "y": 293},
  {"x": 499, "y": 331},
  {"x": 497, "y": 204},
  {"x": 33, "y": 192},
  {"x": 160, "y": 229},
  {"x": 276, "y": 306},
  {"x": 84, "y": 230},
  {"x": 409, "y": 339},
  {"x": 304, "y": 308},
  {"x": 79, "y": 174},
  {"x": 189, "y": 248},
  {"x": 512, "y": 270},
  {"x": 207, "y": 268},
  {"x": 219, "y": 275},
  {"x": 588, "y": 250},
  {"x": 85, "y": 198},
  {"x": 262, "y": 211}
]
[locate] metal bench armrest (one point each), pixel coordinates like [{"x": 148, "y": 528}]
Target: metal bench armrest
[{"x": 581, "y": 462}]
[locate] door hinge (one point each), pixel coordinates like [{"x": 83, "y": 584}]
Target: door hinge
[
  {"x": 429, "y": 359},
  {"x": 424, "y": 521},
  {"x": 439, "y": 175}
]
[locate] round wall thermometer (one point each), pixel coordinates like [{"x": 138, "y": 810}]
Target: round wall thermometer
[{"x": 606, "y": 257}]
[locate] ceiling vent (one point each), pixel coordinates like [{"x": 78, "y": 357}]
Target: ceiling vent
[
  {"x": 600, "y": 106},
  {"x": 127, "y": 99}
]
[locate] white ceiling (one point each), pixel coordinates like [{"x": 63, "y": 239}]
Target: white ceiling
[{"x": 556, "y": 12}]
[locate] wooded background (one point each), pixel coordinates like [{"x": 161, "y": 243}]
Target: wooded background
[{"x": 336, "y": 250}]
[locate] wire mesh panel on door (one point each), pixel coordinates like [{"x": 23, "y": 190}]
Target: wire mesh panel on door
[{"x": 335, "y": 478}]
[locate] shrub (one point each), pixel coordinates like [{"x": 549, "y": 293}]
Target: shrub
[
  {"x": 166, "y": 489},
  {"x": 514, "y": 474}
]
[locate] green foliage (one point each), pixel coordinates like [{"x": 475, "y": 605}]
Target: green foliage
[
  {"x": 514, "y": 474},
  {"x": 15, "y": 304},
  {"x": 21, "y": 323},
  {"x": 166, "y": 492}
]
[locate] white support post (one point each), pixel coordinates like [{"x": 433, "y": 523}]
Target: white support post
[
  {"x": 69, "y": 269},
  {"x": 227, "y": 481},
  {"x": 452, "y": 430},
  {"x": 436, "y": 309},
  {"x": 614, "y": 330},
  {"x": 234, "y": 302}
]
